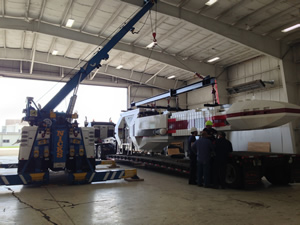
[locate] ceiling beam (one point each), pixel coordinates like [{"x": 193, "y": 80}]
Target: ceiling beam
[
  {"x": 243, "y": 59},
  {"x": 192, "y": 46},
  {"x": 62, "y": 72},
  {"x": 112, "y": 18},
  {"x": 142, "y": 63},
  {"x": 182, "y": 40},
  {"x": 21, "y": 66},
  {"x": 33, "y": 52},
  {"x": 131, "y": 59},
  {"x": 230, "y": 9},
  {"x": 103, "y": 81},
  {"x": 51, "y": 47},
  {"x": 182, "y": 3},
  {"x": 281, "y": 27},
  {"x": 205, "y": 8},
  {"x": 229, "y": 50},
  {"x": 66, "y": 12},
  {"x": 27, "y": 6},
  {"x": 151, "y": 67},
  {"x": 23, "y": 39},
  {"x": 117, "y": 58},
  {"x": 4, "y": 39},
  {"x": 171, "y": 31},
  {"x": 154, "y": 75},
  {"x": 42, "y": 12},
  {"x": 60, "y": 61},
  {"x": 90, "y": 14},
  {"x": 273, "y": 18},
  {"x": 243, "y": 19},
  {"x": 94, "y": 74},
  {"x": 265, "y": 45},
  {"x": 190, "y": 65},
  {"x": 86, "y": 52},
  {"x": 237, "y": 57},
  {"x": 148, "y": 31},
  {"x": 215, "y": 45},
  {"x": 3, "y": 8},
  {"x": 68, "y": 48}
]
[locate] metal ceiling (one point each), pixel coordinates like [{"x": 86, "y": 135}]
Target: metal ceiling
[{"x": 188, "y": 34}]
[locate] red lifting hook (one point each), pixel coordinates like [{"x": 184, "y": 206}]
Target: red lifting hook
[{"x": 154, "y": 36}]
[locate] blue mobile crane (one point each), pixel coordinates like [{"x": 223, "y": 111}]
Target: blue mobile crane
[{"x": 54, "y": 142}]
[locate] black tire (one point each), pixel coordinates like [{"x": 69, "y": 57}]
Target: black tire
[{"x": 233, "y": 176}]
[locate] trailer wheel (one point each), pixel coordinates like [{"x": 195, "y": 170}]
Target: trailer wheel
[{"x": 233, "y": 176}]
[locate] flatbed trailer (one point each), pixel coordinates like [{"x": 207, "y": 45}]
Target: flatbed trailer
[
  {"x": 168, "y": 163},
  {"x": 244, "y": 169}
]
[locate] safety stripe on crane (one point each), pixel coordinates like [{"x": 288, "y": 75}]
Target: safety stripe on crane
[
  {"x": 13, "y": 179},
  {"x": 121, "y": 174},
  {"x": 23, "y": 179},
  {"x": 113, "y": 175},
  {"x": 106, "y": 175},
  {"x": 91, "y": 178},
  {"x": 5, "y": 181}
]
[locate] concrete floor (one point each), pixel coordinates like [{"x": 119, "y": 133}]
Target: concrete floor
[{"x": 160, "y": 199}]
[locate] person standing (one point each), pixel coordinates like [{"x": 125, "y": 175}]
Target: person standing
[
  {"x": 193, "y": 156},
  {"x": 203, "y": 146},
  {"x": 222, "y": 151},
  {"x": 211, "y": 132},
  {"x": 211, "y": 135}
]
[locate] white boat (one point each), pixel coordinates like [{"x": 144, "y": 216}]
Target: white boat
[
  {"x": 260, "y": 114},
  {"x": 149, "y": 130}
]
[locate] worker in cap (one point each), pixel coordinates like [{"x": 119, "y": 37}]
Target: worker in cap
[
  {"x": 223, "y": 148},
  {"x": 211, "y": 132},
  {"x": 203, "y": 146},
  {"x": 193, "y": 157}
]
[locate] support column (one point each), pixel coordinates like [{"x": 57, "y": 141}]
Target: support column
[{"x": 290, "y": 80}]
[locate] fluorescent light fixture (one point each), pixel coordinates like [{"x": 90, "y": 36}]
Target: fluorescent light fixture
[
  {"x": 151, "y": 45},
  {"x": 213, "y": 59},
  {"x": 170, "y": 77},
  {"x": 54, "y": 52},
  {"x": 291, "y": 28},
  {"x": 70, "y": 23},
  {"x": 211, "y": 2},
  {"x": 119, "y": 67},
  {"x": 249, "y": 86}
]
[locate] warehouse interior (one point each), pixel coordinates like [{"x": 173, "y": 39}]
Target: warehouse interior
[
  {"x": 246, "y": 36},
  {"x": 179, "y": 43}
]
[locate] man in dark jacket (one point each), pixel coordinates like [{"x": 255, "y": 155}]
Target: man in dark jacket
[
  {"x": 222, "y": 150},
  {"x": 203, "y": 146},
  {"x": 193, "y": 157}
]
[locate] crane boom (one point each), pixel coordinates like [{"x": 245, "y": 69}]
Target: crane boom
[
  {"x": 96, "y": 60},
  {"x": 54, "y": 142}
]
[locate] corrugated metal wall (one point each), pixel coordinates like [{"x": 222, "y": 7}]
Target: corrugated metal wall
[{"x": 266, "y": 69}]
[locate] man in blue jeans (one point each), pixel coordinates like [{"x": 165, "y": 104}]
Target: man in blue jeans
[{"x": 203, "y": 146}]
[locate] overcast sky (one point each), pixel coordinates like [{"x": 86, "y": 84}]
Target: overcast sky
[{"x": 95, "y": 102}]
